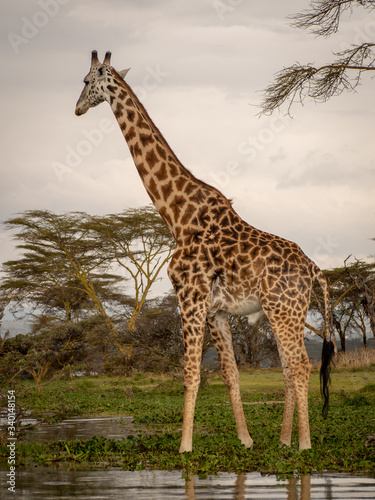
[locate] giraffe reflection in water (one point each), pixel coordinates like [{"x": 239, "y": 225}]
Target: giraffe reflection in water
[{"x": 294, "y": 490}]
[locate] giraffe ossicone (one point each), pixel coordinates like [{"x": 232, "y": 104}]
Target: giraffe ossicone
[{"x": 221, "y": 264}]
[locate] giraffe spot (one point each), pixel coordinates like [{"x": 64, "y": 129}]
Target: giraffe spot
[
  {"x": 244, "y": 246},
  {"x": 254, "y": 252},
  {"x": 112, "y": 88},
  {"x": 142, "y": 123},
  {"x": 165, "y": 215},
  {"x": 146, "y": 139},
  {"x": 213, "y": 200},
  {"x": 123, "y": 126},
  {"x": 275, "y": 261},
  {"x": 180, "y": 183},
  {"x": 218, "y": 213},
  {"x": 192, "y": 235},
  {"x": 129, "y": 102},
  {"x": 162, "y": 173},
  {"x": 122, "y": 94},
  {"x": 130, "y": 134},
  {"x": 154, "y": 189},
  {"x": 216, "y": 256},
  {"x": 203, "y": 216},
  {"x": 233, "y": 217},
  {"x": 228, "y": 252},
  {"x": 131, "y": 115},
  {"x": 151, "y": 158},
  {"x": 198, "y": 197},
  {"x": 190, "y": 253},
  {"x": 161, "y": 152},
  {"x": 225, "y": 221},
  {"x": 118, "y": 110},
  {"x": 190, "y": 188},
  {"x": 167, "y": 189},
  {"x": 190, "y": 210},
  {"x": 135, "y": 150},
  {"x": 141, "y": 170},
  {"x": 176, "y": 205}
]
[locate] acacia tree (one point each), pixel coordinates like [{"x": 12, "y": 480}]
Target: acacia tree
[
  {"x": 61, "y": 266},
  {"x": 362, "y": 276},
  {"x": 254, "y": 343},
  {"x": 352, "y": 290},
  {"x": 141, "y": 243},
  {"x": 38, "y": 354},
  {"x": 297, "y": 82}
]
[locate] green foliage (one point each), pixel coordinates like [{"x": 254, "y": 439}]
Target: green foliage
[{"x": 338, "y": 443}]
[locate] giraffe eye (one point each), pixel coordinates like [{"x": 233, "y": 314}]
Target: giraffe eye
[{"x": 86, "y": 82}]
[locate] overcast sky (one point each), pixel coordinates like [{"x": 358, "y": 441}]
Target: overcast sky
[{"x": 199, "y": 67}]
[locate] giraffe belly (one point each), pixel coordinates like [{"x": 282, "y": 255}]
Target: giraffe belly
[
  {"x": 226, "y": 300},
  {"x": 246, "y": 307}
]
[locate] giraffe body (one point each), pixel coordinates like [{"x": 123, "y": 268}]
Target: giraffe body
[{"x": 221, "y": 264}]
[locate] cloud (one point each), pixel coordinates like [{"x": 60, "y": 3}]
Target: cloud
[{"x": 212, "y": 65}]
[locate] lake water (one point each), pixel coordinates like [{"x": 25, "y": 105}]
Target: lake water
[
  {"x": 49, "y": 484},
  {"x": 39, "y": 483}
]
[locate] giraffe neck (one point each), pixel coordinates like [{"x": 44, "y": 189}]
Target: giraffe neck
[{"x": 175, "y": 192}]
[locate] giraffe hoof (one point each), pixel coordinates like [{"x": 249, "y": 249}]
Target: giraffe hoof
[
  {"x": 184, "y": 449},
  {"x": 285, "y": 443},
  {"x": 306, "y": 446},
  {"x": 247, "y": 442}
]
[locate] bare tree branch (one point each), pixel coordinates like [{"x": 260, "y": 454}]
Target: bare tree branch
[
  {"x": 298, "y": 82},
  {"x": 324, "y": 15}
]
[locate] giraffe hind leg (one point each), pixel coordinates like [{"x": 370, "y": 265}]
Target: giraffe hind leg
[
  {"x": 290, "y": 403},
  {"x": 296, "y": 371},
  {"x": 221, "y": 334}
]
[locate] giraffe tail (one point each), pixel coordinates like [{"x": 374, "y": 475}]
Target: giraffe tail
[{"x": 328, "y": 350}]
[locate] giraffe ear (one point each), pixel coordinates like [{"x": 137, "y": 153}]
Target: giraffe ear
[{"x": 123, "y": 73}]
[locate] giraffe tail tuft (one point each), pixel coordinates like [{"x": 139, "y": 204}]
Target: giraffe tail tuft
[{"x": 328, "y": 350}]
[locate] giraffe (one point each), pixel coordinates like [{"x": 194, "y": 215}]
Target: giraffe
[{"x": 221, "y": 265}]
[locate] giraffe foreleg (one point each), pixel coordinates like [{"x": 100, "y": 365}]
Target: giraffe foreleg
[
  {"x": 193, "y": 323},
  {"x": 221, "y": 334}
]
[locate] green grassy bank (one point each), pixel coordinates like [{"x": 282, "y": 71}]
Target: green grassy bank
[{"x": 340, "y": 443}]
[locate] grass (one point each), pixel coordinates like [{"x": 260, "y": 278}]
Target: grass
[
  {"x": 340, "y": 443},
  {"x": 356, "y": 359}
]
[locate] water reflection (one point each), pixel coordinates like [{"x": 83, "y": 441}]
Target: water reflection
[
  {"x": 83, "y": 428},
  {"x": 48, "y": 484}
]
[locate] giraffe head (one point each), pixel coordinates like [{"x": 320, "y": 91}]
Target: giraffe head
[{"x": 96, "y": 81}]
